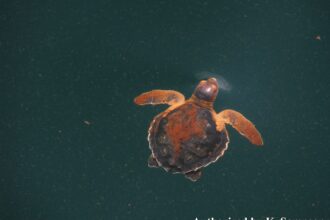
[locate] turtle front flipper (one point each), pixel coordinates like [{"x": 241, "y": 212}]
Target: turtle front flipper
[
  {"x": 156, "y": 97},
  {"x": 241, "y": 124}
]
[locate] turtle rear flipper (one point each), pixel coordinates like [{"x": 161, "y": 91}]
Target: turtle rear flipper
[
  {"x": 152, "y": 162},
  {"x": 193, "y": 175}
]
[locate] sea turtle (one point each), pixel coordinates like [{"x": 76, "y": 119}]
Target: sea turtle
[{"x": 190, "y": 135}]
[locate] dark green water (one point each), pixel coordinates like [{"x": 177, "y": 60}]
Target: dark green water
[{"x": 73, "y": 145}]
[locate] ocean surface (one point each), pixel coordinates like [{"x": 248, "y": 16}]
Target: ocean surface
[{"x": 73, "y": 144}]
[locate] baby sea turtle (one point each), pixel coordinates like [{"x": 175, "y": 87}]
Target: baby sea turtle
[{"x": 190, "y": 135}]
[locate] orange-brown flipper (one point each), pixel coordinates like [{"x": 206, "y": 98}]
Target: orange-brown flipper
[
  {"x": 156, "y": 97},
  {"x": 241, "y": 124}
]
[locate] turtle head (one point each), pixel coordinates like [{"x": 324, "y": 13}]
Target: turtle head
[{"x": 207, "y": 90}]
